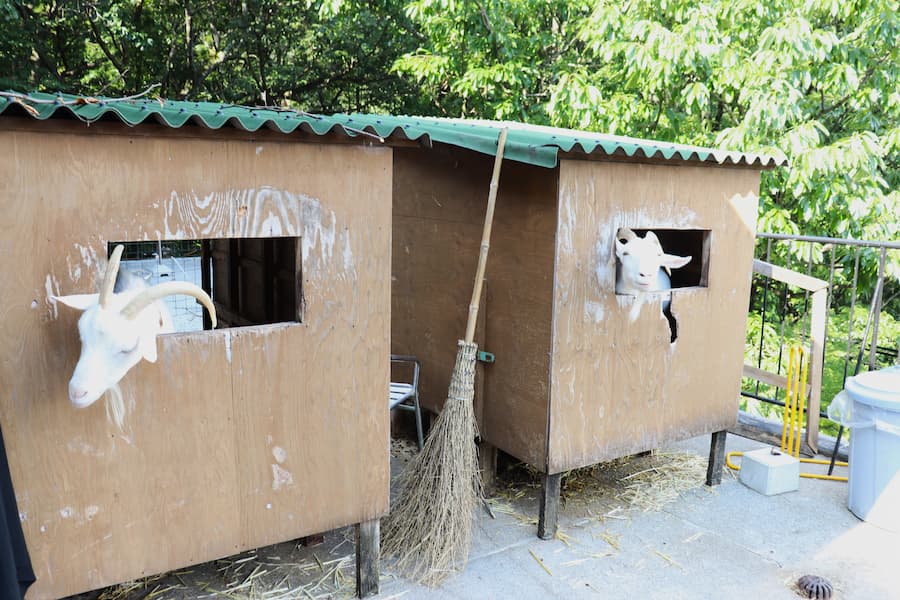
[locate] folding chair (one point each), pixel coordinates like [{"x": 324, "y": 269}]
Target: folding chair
[{"x": 405, "y": 396}]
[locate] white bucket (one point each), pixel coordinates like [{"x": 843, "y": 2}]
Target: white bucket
[{"x": 870, "y": 406}]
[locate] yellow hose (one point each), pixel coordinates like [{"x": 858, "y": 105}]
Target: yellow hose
[
  {"x": 815, "y": 461},
  {"x": 792, "y": 417},
  {"x": 802, "y": 394},
  {"x": 786, "y": 413}
]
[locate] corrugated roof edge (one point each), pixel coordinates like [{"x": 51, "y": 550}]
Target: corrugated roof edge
[{"x": 532, "y": 144}]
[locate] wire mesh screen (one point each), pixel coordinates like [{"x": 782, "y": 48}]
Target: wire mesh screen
[{"x": 161, "y": 261}]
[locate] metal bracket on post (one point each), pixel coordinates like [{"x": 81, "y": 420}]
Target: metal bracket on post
[{"x": 486, "y": 357}]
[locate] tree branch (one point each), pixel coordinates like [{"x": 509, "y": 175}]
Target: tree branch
[{"x": 98, "y": 37}]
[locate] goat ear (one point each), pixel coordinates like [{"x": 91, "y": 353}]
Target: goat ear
[
  {"x": 670, "y": 261},
  {"x": 623, "y": 236},
  {"x": 148, "y": 348},
  {"x": 620, "y": 248},
  {"x": 78, "y": 301},
  {"x": 651, "y": 237}
]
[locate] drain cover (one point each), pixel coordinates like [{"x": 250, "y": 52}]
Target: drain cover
[{"x": 815, "y": 587}]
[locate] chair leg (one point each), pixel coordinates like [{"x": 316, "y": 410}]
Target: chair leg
[{"x": 421, "y": 438}]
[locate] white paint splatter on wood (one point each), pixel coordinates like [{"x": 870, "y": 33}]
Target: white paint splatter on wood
[
  {"x": 227, "y": 335},
  {"x": 51, "y": 286},
  {"x": 594, "y": 311},
  {"x": 263, "y": 212},
  {"x": 280, "y": 477}
]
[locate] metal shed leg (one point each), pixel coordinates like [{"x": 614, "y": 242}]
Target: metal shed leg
[
  {"x": 368, "y": 551},
  {"x": 549, "y": 509},
  {"x": 716, "y": 458}
]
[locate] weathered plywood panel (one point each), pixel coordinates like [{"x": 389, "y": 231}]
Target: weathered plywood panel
[
  {"x": 235, "y": 438},
  {"x": 620, "y": 387},
  {"x": 439, "y": 204}
]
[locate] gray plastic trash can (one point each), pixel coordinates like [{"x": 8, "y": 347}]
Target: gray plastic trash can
[{"x": 870, "y": 407}]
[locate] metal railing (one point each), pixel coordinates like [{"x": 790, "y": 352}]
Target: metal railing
[{"x": 861, "y": 316}]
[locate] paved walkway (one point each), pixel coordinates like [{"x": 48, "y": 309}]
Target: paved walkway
[{"x": 729, "y": 542}]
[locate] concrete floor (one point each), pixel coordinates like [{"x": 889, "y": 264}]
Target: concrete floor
[
  {"x": 725, "y": 542},
  {"x": 729, "y": 542}
]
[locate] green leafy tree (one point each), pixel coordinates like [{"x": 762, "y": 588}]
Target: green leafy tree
[
  {"x": 815, "y": 81},
  {"x": 320, "y": 56}
]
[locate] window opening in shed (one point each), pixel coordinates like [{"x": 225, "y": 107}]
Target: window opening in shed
[
  {"x": 252, "y": 281},
  {"x": 683, "y": 242}
]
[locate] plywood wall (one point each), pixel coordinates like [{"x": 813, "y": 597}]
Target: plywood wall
[
  {"x": 439, "y": 203},
  {"x": 235, "y": 438},
  {"x": 620, "y": 387}
]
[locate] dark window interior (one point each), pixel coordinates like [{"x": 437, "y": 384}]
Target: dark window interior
[{"x": 252, "y": 281}]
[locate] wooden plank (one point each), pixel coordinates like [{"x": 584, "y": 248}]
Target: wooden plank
[
  {"x": 716, "y": 458},
  {"x": 818, "y": 319},
  {"x": 368, "y": 553},
  {"x": 794, "y": 278},
  {"x": 769, "y": 378},
  {"x": 548, "y": 519},
  {"x": 194, "y": 473},
  {"x": 769, "y": 432},
  {"x": 618, "y": 386}
]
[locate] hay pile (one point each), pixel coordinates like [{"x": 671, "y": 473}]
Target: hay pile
[
  {"x": 283, "y": 572},
  {"x": 608, "y": 490}
]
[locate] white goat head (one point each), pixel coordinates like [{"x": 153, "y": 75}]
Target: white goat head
[
  {"x": 643, "y": 266},
  {"x": 119, "y": 328}
]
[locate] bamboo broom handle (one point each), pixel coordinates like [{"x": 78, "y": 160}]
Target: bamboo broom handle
[{"x": 485, "y": 239}]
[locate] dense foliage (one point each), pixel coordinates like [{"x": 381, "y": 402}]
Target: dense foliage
[{"x": 323, "y": 57}]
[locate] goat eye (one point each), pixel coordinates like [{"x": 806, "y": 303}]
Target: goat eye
[
  {"x": 626, "y": 253},
  {"x": 130, "y": 350}
]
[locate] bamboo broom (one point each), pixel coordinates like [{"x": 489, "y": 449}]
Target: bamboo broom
[{"x": 429, "y": 530}]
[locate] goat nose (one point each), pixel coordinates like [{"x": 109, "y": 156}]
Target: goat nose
[{"x": 76, "y": 393}]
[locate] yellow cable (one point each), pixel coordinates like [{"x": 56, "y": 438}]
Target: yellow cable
[
  {"x": 802, "y": 393},
  {"x": 816, "y": 461},
  {"x": 787, "y": 402}
]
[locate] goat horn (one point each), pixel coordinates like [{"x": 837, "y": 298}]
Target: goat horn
[
  {"x": 109, "y": 278},
  {"x": 170, "y": 288}
]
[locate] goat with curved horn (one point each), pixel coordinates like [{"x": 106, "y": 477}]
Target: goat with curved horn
[
  {"x": 109, "y": 278},
  {"x": 171, "y": 288},
  {"x": 119, "y": 327}
]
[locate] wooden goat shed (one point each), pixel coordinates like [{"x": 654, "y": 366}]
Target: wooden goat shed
[
  {"x": 328, "y": 243},
  {"x": 238, "y": 437},
  {"x": 574, "y": 381}
]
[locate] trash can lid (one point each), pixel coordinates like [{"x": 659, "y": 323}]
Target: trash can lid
[{"x": 880, "y": 388}]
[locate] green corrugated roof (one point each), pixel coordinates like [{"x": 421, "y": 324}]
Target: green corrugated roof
[{"x": 531, "y": 144}]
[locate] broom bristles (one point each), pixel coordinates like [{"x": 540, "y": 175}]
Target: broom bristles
[{"x": 430, "y": 525}]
